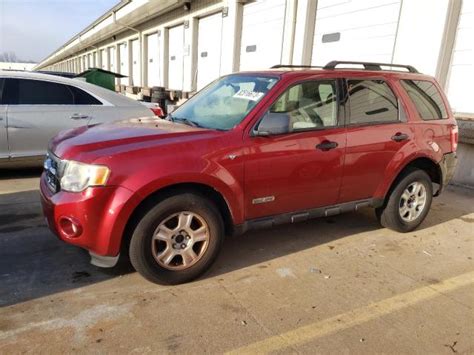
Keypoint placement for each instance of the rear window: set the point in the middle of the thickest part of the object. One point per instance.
(427, 99)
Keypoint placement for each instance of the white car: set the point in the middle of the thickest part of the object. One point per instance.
(34, 107)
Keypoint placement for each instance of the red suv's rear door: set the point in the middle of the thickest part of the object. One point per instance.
(376, 131)
(302, 168)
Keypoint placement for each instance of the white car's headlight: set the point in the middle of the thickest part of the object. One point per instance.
(78, 176)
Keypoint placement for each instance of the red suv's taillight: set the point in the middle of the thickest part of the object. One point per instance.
(454, 137)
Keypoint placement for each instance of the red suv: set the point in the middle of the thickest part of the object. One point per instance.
(251, 150)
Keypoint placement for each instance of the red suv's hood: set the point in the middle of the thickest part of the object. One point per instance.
(68, 144)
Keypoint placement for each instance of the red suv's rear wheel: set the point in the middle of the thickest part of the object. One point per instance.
(408, 203)
(177, 240)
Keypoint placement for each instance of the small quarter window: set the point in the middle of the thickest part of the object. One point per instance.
(371, 101)
(427, 99)
(83, 98)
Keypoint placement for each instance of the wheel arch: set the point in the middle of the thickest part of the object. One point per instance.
(201, 189)
(424, 163)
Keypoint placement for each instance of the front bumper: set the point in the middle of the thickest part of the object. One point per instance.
(447, 166)
(101, 213)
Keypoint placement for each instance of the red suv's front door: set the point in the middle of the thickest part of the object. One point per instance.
(376, 131)
(301, 168)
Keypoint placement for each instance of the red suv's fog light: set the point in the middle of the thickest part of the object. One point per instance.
(71, 227)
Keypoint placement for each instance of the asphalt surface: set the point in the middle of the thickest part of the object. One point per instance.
(333, 285)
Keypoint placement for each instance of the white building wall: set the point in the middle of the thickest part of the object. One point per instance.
(263, 24)
(461, 73)
(419, 38)
(209, 48)
(359, 30)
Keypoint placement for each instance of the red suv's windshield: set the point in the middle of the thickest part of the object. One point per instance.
(224, 103)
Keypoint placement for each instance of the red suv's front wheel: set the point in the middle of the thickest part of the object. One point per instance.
(177, 240)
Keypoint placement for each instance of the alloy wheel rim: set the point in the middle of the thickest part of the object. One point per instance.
(412, 202)
(180, 240)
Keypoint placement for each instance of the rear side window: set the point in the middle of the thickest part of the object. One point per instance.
(83, 98)
(427, 99)
(371, 101)
(36, 92)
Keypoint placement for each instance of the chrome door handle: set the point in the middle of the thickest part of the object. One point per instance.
(78, 116)
(398, 137)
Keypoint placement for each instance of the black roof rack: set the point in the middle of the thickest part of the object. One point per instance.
(369, 65)
(294, 66)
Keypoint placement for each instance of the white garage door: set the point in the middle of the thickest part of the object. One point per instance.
(175, 60)
(104, 59)
(358, 30)
(123, 68)
(113, 59)
(136, 74)
(462, 63)
(262, 34)
(209, 49)
(154, 60)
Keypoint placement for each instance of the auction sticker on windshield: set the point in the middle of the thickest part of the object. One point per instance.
(248, 95)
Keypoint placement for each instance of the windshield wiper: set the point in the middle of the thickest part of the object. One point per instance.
(187, 121)
(170, 117)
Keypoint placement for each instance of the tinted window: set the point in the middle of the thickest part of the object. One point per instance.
(36, 92)
(371, 101)
(312, 104)
(83, 98)
(1, 90)
(427, 99)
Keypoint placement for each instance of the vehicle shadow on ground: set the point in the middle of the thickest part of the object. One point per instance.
(34, 263)
(8, 174)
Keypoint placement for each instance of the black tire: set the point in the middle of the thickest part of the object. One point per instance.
(141, 254)
(389, 214)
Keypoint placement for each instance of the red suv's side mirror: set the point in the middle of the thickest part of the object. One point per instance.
(273, 123)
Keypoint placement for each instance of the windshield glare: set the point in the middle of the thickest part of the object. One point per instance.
(225, 103)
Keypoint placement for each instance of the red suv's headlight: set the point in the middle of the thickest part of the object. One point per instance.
(78, 176)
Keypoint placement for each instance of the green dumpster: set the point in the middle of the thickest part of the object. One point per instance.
(100, 77)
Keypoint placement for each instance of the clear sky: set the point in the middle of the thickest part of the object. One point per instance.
(32, 29)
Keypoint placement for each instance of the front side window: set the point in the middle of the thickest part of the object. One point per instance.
(226, 102)
(36, 92)
(309, 105)
(371, 101)
(427, 99)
